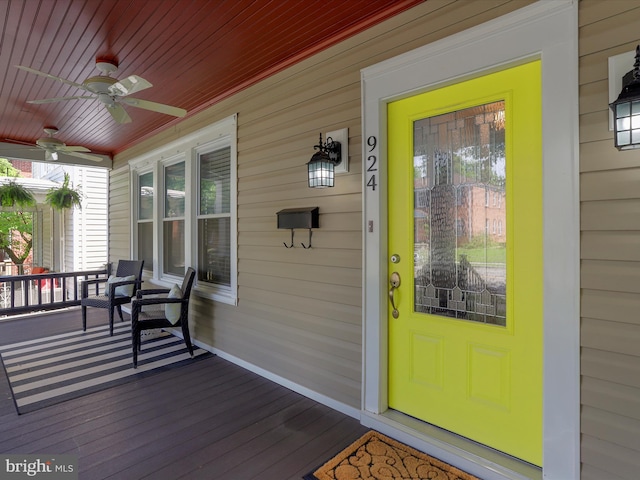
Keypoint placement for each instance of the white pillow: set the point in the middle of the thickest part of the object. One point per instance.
(172, 310)
(122, 290)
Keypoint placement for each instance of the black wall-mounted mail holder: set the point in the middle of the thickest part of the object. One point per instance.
(292, 218)
(306, 217)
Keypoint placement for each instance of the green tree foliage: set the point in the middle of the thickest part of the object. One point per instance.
(16, 238)
(7, 170)
(16, 227)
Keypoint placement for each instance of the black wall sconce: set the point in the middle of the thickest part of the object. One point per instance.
(626, 109)
(325, 163)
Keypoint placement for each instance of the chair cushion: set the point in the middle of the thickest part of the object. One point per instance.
(151, 308)
(172, 310)
(123, 290)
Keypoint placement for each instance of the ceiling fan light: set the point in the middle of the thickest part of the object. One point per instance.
(99, 84)
(107, 99)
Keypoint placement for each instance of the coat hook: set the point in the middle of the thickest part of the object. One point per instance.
(285, 243)
(303, 245)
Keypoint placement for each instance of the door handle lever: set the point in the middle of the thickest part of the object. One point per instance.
(395, 283)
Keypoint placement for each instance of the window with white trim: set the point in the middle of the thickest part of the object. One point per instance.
(193, 221)
(145, 204)
(173, 220)
(214, 217)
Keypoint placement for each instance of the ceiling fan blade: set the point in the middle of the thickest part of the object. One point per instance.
(53, 77)
(86, 156)
(154, 107)
(118, 113)
(18, 142)
(58, 99)
(12, 152)
(50, 156)
(70, 148)
(129, 85)
(8, 150)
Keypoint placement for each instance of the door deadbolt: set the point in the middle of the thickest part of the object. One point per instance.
(395, 258)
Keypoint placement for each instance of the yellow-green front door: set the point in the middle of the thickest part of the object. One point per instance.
(465, 259)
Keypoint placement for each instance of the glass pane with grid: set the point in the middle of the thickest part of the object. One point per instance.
(214, 254)
(173, 262)
(459, 211)
(214, 217)
(215, 174)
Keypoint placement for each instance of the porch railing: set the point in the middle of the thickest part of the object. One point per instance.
(44, 291)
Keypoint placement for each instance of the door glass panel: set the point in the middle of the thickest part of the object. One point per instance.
(460, 233)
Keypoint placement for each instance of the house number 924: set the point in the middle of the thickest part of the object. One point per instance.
(372, 161)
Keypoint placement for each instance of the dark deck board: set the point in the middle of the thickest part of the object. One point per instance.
(210, 420)
(314, 452)
(205, 435)
(266, 447)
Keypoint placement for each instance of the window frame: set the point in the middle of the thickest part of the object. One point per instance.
(137, 221)
(163, 218)
(213, 290)
(188, 148)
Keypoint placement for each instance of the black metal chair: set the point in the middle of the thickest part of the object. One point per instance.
(116, 293)
(174, 314)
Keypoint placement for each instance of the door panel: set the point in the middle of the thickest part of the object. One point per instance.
(465, 225)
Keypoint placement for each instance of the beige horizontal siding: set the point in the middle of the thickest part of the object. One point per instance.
(620, 337)
(611, 367)
(610, 215)
(610, 184)
(610, 396)
(610, 457)
(613, 306)
(614, 276)
(610, 273)
(611, 245)
(597, 155)
(611, 427)
(119, 215)
(594, 11)
(299, 312)
(590, 472)
(611, 23)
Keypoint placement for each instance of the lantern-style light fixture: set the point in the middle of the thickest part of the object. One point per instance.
(626, 109)
(323, 163)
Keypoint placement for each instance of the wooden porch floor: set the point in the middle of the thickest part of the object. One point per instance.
(211, 420)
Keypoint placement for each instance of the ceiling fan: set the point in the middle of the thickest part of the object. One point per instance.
(111, 92)
(52, 147)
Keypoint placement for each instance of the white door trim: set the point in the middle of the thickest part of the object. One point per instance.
(547, 30)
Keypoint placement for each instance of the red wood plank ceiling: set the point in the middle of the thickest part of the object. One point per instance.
(194, 52)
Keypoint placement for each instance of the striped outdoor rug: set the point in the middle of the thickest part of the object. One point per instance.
(54, 369)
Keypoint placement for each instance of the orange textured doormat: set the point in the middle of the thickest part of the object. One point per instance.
(377, 457)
